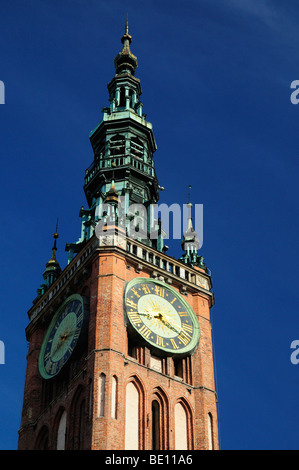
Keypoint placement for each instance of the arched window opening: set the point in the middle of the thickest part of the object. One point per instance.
(155, 425)
(160, 420)
(61, 432)
(101, 395)
(77, 417)
(132, 417)
(81, 425)
(42, 442)
(114, 398)
(131, 93)
(210, 431)
(181, 427)
(122, 97)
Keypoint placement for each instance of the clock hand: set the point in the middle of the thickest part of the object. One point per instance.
(159, 316)
(58, 346)
(61, 341)
(169, 325)
(148, 315)
(151, 316)
(67, 333)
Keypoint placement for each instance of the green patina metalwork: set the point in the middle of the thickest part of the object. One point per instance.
(123, 144)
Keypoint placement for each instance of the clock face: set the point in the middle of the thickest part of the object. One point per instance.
(62, 336)
(161, 316)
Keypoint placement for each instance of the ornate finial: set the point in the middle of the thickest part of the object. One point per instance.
(189, 193)
(127, 26)
(56, 229)
(55, 235)
(54, 249)
(126, 37)
(189, 205)
(125, 61)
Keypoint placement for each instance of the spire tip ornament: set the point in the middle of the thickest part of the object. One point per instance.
(52, 270)
(127, 26)
(125, 61)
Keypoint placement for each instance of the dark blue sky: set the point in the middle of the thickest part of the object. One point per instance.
(216, 78)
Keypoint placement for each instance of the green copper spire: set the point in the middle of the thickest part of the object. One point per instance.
(125, 61)
(52, 270)
(190, 242)
(123, 169)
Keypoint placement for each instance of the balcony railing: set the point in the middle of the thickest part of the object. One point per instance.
(119, 161)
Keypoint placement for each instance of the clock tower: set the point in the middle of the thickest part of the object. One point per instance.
(120, 350)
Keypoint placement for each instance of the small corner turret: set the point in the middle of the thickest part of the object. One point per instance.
(190, 242)
(52, 270)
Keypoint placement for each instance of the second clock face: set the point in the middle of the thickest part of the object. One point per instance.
(161, 316)
(61, 337)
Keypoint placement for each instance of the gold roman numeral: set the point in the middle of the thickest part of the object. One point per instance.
(80, 317)
(132, 304)
(76, 335)
(145, 331)
(187, 328)
(182, 337)
(134, 317)
(145, 288)
(175, 346)
(159, 291)
(183, 314)
(160, 342)
(135, 292)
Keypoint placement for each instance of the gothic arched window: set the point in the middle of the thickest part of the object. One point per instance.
(210, 431)
(134, 423)
(101, 395)
(114, 398)
(183, 426)
(77, 417)
(42, 441)
(156, 412)
(61, 432)
(160, 420)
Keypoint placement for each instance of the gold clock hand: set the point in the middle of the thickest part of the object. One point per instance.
(61, 340)
(67, 333)
(167, 323)
(148, 315)
(58, 346)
